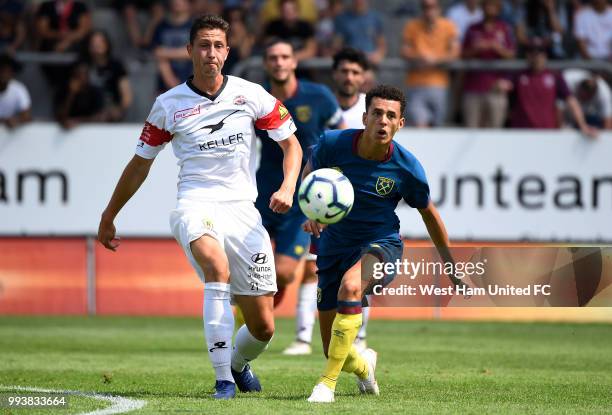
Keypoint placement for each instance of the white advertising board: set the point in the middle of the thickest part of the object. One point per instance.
(488, 184)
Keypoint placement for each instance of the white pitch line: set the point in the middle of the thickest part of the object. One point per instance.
(119, 404)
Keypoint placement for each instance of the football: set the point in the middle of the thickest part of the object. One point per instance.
(326, 196)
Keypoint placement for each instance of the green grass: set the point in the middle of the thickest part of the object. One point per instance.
(424, 367)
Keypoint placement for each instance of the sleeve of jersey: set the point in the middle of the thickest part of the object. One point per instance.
(277, 122)
(333, 110)
(154, 136)
(318, 157)
(415, 190)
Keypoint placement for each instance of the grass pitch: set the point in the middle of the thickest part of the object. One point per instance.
(423, 367)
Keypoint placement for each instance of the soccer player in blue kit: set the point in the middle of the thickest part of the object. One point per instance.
(314, 109)
(382, 173)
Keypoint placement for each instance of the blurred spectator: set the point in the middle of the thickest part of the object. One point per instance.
(79, 101)
(271, 10)
(512, 12)
(535, 92)
(240, 40)
(593, 95)
(299, 33)
(593, 30)
(12, 26)
(62, 24)
(324, 30)
(108, 74)
(362, 28)
(429, 42)
(541, 20)
(15, 102)
(169, 45)
(483, 104)
(349, 68)
(464, 14)
(200, 7)
(130, 10)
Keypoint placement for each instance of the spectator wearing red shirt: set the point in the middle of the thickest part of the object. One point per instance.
(483, 104)
(535, 92)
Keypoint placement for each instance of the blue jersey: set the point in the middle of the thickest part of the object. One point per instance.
(314, 109)
(379, 186)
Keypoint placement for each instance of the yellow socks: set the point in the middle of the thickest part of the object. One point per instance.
(344, 330)
(356, 364)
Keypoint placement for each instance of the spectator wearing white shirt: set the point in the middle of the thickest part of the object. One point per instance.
(464, 14)
(593, 30)
(593, 95)
(15, 102)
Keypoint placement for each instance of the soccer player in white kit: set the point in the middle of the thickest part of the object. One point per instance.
(210, 122)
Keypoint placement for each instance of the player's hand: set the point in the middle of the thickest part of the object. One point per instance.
(589, 131)
(313, 227)
(106, 234)
(281, 201)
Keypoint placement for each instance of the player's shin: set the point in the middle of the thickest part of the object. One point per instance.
(218, 328)
(246, 348)
(305, 313)
(343, 333)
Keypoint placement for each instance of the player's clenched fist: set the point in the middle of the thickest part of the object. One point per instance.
(281, 201)
(106, 235)
(313, 227)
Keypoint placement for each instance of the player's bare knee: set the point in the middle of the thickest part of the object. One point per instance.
(262, 330)
(349, 290)
(285, 276)
(211, 259)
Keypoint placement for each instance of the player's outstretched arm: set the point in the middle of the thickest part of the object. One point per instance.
(282, 199)
(306, 170)
(132, 177)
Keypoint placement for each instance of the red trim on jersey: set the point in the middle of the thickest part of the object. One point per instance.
(275, 118)
(154, 136)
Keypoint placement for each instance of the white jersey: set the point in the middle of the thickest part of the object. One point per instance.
(14, 99)
(213, 137)
(353, 116)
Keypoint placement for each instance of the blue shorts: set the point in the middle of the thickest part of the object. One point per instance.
(331, 268)
(286, 230)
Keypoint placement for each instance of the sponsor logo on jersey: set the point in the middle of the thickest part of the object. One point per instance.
(283, 111)
(259, 258)
(240, 100)
(223, 142)
(384, 185)
(186, 113)
(216, 127)
(303, 113)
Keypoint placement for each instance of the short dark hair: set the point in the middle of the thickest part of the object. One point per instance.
(352, 55)
(7, 60)
(207, 21)
(387, 92)
(274, 41)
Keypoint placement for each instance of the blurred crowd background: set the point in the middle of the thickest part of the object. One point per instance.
(474, 63)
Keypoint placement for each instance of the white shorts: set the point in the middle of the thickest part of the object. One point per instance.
(238, 229)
